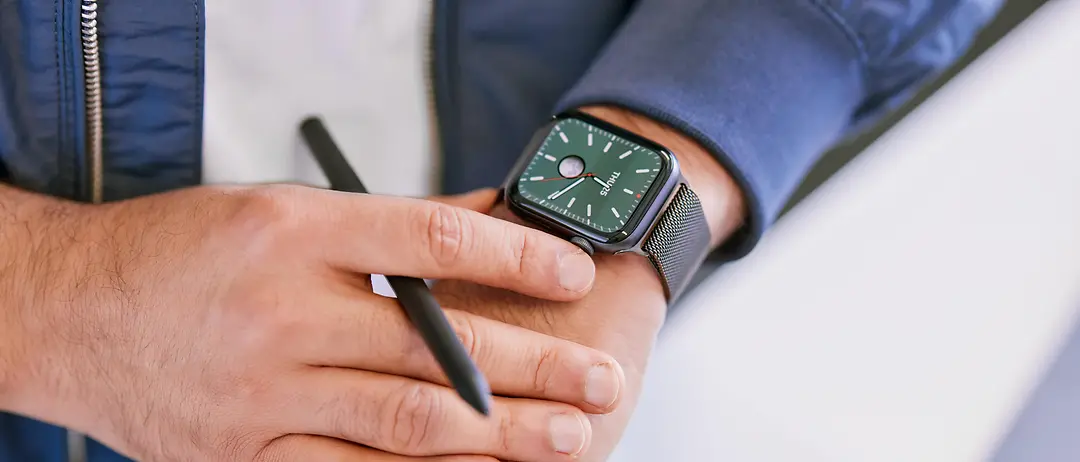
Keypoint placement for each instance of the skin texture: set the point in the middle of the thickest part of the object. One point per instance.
(194, 326)
(624, 312)
(121, 335)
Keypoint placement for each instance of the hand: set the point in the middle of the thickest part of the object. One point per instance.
(239, 324)
(626, 308)
(621, 316)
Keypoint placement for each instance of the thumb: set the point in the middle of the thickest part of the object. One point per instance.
(480, 200)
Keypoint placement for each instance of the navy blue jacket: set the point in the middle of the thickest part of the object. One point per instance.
(765, 85)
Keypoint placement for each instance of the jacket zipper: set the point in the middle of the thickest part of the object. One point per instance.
(88, 33)
(434, 135)
(94, 149)
(441, 60)
(92, 83)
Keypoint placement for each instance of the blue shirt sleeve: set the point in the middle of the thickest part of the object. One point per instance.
(767, 86)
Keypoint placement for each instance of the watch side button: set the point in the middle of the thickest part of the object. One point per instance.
(583, 244)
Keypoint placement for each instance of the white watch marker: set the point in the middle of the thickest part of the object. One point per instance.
(628, 192)
(550, 157)
(608, 147)
(626, 154)
(590, 139)
(588, 210)
(600, 181)
(571, 204)
(564, 138)
(536, 178)
(616, 212)
(644, 170)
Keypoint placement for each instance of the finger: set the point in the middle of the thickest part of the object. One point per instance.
(426, 239)
(516, 361)
(413, 418)
(480, 200)
(305, 448)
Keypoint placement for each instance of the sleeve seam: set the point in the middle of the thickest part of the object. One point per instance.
(846, 28)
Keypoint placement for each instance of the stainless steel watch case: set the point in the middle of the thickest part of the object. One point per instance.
(645, 218)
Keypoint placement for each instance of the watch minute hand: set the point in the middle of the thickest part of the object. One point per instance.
(560, 193)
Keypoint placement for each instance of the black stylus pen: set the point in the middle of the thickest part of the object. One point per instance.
(412, 293)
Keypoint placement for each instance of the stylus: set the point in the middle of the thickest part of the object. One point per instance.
(413, 294)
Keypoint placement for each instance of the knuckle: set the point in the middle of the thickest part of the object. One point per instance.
(544, 374)
(265, 221)
(446, 233)
(466, 331)
(505, 430)
(410, 421)
(269, 208)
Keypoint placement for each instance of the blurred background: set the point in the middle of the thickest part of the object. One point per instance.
(1012, 14)
(917, 300)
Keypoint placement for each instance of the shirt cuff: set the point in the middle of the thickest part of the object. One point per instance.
(766, 86)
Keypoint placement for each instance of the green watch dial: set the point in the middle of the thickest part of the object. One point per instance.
(590, 176)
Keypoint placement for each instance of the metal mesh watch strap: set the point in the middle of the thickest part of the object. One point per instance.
(679, 242)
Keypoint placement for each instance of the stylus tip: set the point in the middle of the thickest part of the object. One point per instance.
(478, 395)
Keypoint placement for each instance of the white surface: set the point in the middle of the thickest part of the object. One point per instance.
(906, 310)
(358, 63)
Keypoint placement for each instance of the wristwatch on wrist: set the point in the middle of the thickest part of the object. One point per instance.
(611, 191)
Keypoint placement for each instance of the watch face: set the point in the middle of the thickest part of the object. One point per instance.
(585, 175)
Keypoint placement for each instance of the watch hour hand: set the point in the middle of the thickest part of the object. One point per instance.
(564, 190)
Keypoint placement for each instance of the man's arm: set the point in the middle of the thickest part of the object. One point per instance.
(8, 249)
(18, 209)
(96, 301)
(627, 307)
(721, 198)
(766, 86)
(747, 94)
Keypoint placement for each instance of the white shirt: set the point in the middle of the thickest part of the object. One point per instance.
(357, 63)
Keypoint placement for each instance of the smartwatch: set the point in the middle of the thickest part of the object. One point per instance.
(611, 191)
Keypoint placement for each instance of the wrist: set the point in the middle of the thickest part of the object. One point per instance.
(629, 272)
(721, 198)
(17, 239)
(30, 230)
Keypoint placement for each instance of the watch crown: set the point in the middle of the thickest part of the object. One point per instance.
(583, 244)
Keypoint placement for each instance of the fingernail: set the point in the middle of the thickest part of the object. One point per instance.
(567, 434)
(602, 386)
(576, 271)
